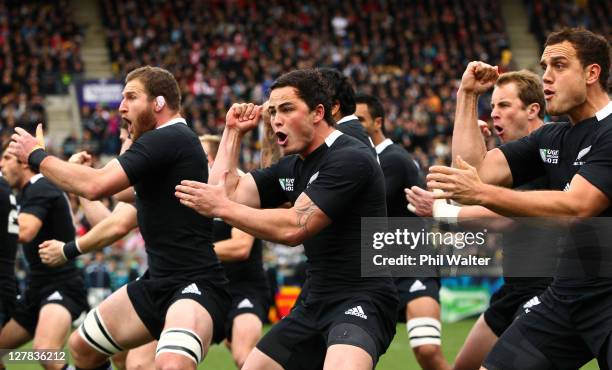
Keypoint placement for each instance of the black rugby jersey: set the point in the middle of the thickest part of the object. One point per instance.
(9, 233)
(44, 200)
(249, 271)
(346, 183)
(560, 151)
(178, 240)
(351, 125)
(401, 171)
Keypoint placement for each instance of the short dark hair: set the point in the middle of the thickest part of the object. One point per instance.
(375, 107)
(341, 88)
(591, 48)
(310, 87)
(158, 82)
(529, 87)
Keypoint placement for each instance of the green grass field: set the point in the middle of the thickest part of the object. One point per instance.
(398, 356)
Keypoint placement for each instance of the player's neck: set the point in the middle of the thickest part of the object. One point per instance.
(27, 176)
(321, 133)
(534, 125)
(166, 117)
(378, 138)
(595, 101)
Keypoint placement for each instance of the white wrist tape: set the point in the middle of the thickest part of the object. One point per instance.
(443, 211)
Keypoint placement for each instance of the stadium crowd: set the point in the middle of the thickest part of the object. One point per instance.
(410, 54)
(39, 55)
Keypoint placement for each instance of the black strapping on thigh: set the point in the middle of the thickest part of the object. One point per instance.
(351, 334)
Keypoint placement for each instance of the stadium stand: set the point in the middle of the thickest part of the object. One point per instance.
(39, 55)
(410, 54)
(547, 15)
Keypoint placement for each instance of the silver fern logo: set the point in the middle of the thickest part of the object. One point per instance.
(581, 154)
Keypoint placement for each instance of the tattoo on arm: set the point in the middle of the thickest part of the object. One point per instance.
(304, 213)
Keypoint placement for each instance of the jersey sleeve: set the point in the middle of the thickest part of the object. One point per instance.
(523, 156)
(152, 151)
(271, 194)
(38, 200)
(598, 166)
(339, 182)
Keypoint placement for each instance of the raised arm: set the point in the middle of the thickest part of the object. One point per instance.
(467, 135)
(240, 119)
(72, 178)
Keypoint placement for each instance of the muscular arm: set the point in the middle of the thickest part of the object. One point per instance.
(29, 226)
(236, 248)
(95, 211)
(120, 222)
(241, 189)
(114, 227)
(85, 181)
(286, 226)
(477, 216)
(467, 140)
(581, 200)
(126, 196)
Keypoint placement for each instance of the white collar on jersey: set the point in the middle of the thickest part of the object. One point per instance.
(382, 146)
(331, 138)
(604, 112)
(172, 122)
(346, 119)
(35, 178)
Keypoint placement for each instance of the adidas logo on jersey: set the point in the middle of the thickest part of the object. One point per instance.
(530, 303)
(357, 311)
(245, 303)
(193, 289)
(56, 296)
(416, 286)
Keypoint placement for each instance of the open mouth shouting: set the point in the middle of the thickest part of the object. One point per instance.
(281, 138)
(548, 94)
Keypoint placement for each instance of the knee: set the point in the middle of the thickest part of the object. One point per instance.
(240, 352)
(172, 361)
(81, 352)
(139, 363)
(240, 358)
(77, 346)
(427, 353)
(44, 344)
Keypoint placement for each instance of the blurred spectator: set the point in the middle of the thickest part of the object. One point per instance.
(546, 16)
(97, 280)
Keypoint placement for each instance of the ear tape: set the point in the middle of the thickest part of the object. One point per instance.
(160, 101)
